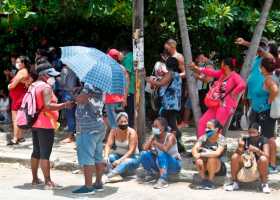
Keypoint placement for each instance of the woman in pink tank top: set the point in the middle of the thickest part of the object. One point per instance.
(17, 89)
(44, 127)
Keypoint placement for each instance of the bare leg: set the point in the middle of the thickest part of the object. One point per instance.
(273, 150)
(187, 115)
(88, 172)
(17, 132)
(45, 166)
(34, 169)
(99, 172)
(213, 166)
(201, 168)
(262, 166)
(235, 165)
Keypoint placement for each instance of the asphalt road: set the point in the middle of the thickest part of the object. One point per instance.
(15, 185)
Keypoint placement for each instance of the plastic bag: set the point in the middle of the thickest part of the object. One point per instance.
(244, 121)
(275, 108)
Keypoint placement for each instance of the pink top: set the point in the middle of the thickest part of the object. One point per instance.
(46, 118)
(235, 85)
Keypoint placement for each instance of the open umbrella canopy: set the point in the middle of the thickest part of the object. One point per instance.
(95, 67)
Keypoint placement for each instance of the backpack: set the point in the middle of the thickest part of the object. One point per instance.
(28, 111)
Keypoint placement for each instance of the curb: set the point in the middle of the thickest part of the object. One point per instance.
(55, 164)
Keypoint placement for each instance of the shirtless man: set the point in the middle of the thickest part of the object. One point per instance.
(171, 47)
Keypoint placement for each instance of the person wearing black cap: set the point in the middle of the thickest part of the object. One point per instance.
(46, 122)
(257, 144)
(207, 153)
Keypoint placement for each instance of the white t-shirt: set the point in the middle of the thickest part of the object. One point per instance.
(4, 104)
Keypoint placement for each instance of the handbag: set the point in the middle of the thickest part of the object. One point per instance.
(249, 172)
(214, 98)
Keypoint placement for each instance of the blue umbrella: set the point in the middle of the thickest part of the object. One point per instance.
(95, 67)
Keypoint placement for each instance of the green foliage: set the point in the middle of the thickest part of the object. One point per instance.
(213, 24)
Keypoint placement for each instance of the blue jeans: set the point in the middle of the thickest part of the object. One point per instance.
(129, 165)
(70, 113)
(163, 161)
(112, 114)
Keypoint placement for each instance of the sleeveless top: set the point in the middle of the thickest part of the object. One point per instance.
(171, 94)
(173, 151)
(17, 95)
(47, 119)
(122, 147)
(256, 92)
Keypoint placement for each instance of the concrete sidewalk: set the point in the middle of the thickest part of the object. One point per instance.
(64, 156)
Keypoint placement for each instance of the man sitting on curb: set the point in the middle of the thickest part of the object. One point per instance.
(257, 144)
(207, 153)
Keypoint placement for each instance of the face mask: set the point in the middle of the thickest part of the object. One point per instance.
(123, 126)
(18, 65)
(51, 81)
(223, 69)
(156, 131)
(209, 133)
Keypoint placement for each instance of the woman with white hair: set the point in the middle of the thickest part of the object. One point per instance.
(121, 150)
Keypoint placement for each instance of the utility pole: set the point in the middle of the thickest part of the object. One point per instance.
(138, 60)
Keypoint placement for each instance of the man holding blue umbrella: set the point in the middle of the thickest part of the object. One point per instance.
(90, 131)
(100, 74)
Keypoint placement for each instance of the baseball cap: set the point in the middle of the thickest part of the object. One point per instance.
(114, 53)
(263, 46)
(46, 68)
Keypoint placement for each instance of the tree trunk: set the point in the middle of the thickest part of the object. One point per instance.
(251, 54)
(138, 59)
(191, 81)
(256, 39)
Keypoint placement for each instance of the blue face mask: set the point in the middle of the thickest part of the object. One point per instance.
(209, 133)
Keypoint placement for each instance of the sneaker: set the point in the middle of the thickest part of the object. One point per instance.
(98, 187)
(206, 185)
(272, 170)
(149, 179)
(232, 186)
(84, 190)
(112, 179)
(161, 183)
(265, 188)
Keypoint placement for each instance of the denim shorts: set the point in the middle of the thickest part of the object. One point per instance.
(90, 148)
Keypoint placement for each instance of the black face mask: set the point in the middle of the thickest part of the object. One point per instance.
(123, 126)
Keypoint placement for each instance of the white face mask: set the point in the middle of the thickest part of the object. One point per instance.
(18, 65)
(51, 81)
(156, 131)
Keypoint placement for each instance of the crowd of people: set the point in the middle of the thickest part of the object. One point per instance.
(102, 124)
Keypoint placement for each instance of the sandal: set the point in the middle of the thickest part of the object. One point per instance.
(12, 143)
(51, 186)
(21, 140)
(37, 182)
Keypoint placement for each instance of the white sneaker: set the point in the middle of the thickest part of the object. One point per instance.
(265, 188)
(232, 187)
